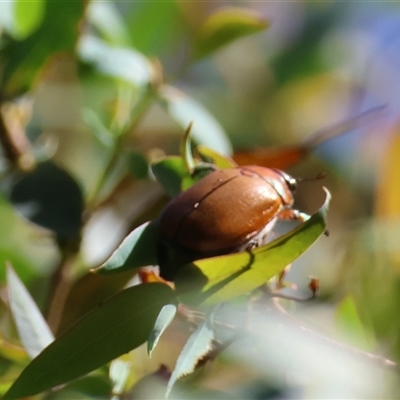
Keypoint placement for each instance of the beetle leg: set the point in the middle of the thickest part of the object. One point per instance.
(290, 214)
(253, 244)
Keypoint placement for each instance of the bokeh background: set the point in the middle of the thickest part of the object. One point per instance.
(84, 103)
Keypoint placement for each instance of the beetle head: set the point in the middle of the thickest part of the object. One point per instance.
(290, 181)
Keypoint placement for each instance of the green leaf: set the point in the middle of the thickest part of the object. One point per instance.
(137, 164)
(50, 197)
(21, 60)
(164, 319)
(32, 328)
(184, 110)
(28, 16)
(157, 28)
(119, 374)
(226, 277)
(95, 124)
(106, 18)
(20, 17)
(186, 150)
(120, 63)
(198, 345)
(349, 321)
(225, 26)
(92, 386)
(115, 327)
(24, 245)
(170, 172)
(213, 157)
(137, 250)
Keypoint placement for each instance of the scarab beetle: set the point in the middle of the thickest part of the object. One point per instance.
(227, 211)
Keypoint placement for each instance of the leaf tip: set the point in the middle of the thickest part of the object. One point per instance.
(325, 206)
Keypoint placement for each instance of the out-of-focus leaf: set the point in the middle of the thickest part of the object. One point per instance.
(115, 327)
(138, 249)
(32, 328)
(184, 110)
(52, 198)
(198, 346)
(86, 388)
(302, 58)
(119, 374)
(164, 319)
(212, 156)
(288, 156)
(148, 19)
(349, 321)
(226, 277)
(137, 164)
(226, 25)
(21, 60)
(12, 352)
(7, 18)
(106, 18)
(28, 16)
(100, 131)
(120, 63)
(24, 245)
(20, 18)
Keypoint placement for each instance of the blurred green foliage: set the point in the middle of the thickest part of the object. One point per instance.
(93, 93)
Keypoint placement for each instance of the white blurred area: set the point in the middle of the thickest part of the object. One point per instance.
(272, 355)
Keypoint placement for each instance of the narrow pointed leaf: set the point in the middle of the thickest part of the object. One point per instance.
(198, 346)
(226, 277)
(174, 177)
(97, 127)
(186, 150)
(115, 327)
(119, 374)
(137, 250)
(120, 63)
(215, 157)
(164, 319)
(184, 110)
(225, 26)
(32, 328)
(110, 23)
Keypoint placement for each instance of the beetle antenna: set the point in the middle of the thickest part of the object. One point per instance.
(320, 175)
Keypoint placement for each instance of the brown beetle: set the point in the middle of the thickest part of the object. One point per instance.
(227, 211)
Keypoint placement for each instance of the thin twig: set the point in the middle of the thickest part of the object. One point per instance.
(344, 347)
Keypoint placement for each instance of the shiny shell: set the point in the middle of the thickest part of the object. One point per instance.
(226, 209)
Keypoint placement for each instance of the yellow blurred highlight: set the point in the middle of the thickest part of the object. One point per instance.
(387, 199)
(388, 188)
